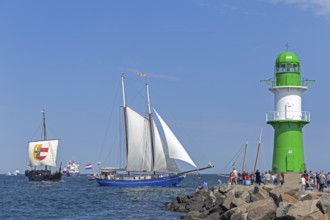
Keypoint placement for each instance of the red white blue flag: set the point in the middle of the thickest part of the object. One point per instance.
(88, 166)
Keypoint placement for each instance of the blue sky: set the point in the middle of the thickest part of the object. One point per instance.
(204, 60)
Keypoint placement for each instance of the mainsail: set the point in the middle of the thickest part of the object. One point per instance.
(139, 156)
(43, 153)
(175, 148)
(139, 142)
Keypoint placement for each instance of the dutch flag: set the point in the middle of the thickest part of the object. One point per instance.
(88, 166)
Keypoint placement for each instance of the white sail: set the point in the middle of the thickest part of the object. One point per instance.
(175, 148)
(163, 163)
(43, 153)
(139, 142)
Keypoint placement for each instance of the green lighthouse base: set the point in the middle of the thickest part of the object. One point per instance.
(288, 155)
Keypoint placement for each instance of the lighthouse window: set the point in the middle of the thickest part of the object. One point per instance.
(277, 68)
(289, 68)
(295, 68)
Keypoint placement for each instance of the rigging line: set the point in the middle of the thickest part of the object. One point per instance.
(109, 121)
(113, 144)
(108, 157)
(235, 156)
(51, 131)
(36, 131)
(139, 91)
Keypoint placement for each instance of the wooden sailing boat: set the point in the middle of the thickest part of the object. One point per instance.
(43, 153)
(150, 157)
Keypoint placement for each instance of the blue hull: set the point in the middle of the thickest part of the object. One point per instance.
(168, 181)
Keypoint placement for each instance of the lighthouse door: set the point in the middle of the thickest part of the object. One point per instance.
(289, 111)
(289, 162)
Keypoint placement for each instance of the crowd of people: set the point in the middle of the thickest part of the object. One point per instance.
(318, 180)
(308, 181)
(257, 177)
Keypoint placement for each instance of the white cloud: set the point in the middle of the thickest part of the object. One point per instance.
(320, 7)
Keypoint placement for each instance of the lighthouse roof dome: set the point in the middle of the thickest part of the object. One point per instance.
(287, 57)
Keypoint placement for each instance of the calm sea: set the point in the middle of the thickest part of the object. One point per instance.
(80, 198)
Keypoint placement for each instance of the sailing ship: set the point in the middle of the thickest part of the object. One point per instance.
(43, 153)
(72, 169)
(150, 154)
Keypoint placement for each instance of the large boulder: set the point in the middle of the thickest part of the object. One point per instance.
(277, 192)
(196, 204)
(224, 188)
(301, 210)
(287, 198)
(176, 206)
(310, 195)
(269, 187)
(237, 213)
(237, 202)
(282, 211)
(194, 215)
(324, 205)
(213, 216)
(262, 209)
(227, 203)
(258, 193)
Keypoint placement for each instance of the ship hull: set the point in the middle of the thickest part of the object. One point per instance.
(36, 176)
(73, 174)
(168, 181)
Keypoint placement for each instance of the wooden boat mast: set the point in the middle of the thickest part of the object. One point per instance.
(150, 127)
(44, 127)
(246, 144)
(259, 143)
(125, 114)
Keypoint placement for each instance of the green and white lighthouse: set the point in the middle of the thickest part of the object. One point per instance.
(288, 119)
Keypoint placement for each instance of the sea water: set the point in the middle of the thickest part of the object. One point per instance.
(80, 198)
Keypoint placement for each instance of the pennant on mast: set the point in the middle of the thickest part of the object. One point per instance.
(141, 74)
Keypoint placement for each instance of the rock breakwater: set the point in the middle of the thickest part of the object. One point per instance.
(255, 202)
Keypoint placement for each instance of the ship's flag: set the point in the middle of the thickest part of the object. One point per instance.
(88, 166)
(141, 74)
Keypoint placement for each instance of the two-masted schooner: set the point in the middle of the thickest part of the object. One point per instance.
(42, 155)
(150, 157)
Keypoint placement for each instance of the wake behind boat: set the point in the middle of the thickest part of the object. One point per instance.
(43, 153)
(150, 154)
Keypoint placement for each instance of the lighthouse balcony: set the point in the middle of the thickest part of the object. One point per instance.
(288, 115)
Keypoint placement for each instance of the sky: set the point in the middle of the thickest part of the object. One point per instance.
(204, 60)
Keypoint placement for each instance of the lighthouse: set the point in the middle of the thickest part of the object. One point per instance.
(288, 119)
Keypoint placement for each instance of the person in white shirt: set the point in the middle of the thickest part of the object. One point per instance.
(303, 183)
(268, 178)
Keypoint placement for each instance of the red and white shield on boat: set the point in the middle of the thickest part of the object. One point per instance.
(40, 151)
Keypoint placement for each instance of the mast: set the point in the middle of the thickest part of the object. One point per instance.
(44, 127)
(150, 127)
(125, 114)
(255, 163)
(44, 124)
(246, 144)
